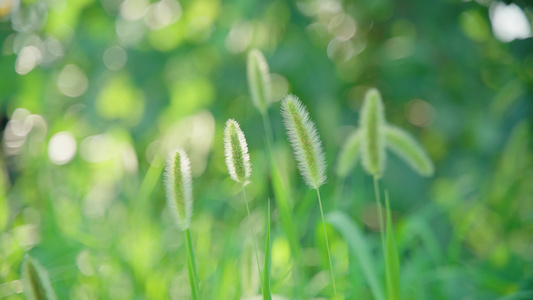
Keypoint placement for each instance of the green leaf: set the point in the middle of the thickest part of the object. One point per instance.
(358, 246)
(392, 261)
(37, 285)
(266, 269)
(407, 148)
(349, 154)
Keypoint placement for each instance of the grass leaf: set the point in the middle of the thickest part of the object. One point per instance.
(408, 149)
(358, 246)
(349, 154)
(266, 268)
(35, 280)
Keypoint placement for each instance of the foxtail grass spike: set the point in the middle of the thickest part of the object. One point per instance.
(178, 185)
(35, 281)
(349, 154)
(236, 152)
(305, 141)
(407, 148)
(259, 80)
(373, 135)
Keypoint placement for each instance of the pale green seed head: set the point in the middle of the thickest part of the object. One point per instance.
(305, 141)
(259, 80)
(407, 148)
(372, 123)
(236, 152)
(35, 280)
(349, 154)
(178, 186)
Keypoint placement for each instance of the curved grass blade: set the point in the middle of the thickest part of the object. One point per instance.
(349, 154)
(392, 261)
(35, 280)
(266, 268)
(408, 149)
(358, 246)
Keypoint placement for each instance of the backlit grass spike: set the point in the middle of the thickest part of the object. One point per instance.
(259, 80)
(35, 280)
(406, 147)
(236, 152)
(305, 141)
(372, 123)
(178, 185)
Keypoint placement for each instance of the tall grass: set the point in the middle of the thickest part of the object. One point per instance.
(239, 168)
(259, 83)
(308, 152)
(178, 185)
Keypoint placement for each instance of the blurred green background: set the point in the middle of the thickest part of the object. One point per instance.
(93, 93)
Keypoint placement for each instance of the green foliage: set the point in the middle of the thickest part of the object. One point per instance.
(37, 285)
(94, 95)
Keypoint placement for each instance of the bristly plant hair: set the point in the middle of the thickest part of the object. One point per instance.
(178, 186)
(35, 281)
(372, 123)
(236, 152)
(305, 141)
(406, 147)
(259, 81)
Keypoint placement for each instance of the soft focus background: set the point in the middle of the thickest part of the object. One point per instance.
(93, 92)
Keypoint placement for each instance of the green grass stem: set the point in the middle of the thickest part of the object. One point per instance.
(191, 266)
(327, 243)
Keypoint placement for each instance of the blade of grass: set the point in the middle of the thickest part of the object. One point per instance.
(392, 261)
(266, 268)
(359, 247)
(191, 267)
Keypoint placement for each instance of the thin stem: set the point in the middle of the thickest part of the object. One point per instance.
(268, 130)
(327, 243)
(380, 213)
(191, 266)
(253, 237)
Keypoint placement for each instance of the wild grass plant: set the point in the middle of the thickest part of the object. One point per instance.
(239, 168)
(178, 186)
